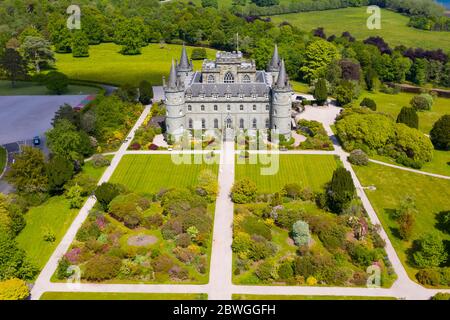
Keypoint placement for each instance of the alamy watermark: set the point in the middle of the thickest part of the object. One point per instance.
(74, 19)
(374, 20)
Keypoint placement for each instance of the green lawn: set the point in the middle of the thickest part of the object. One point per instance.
(392, 104)
(300, 297)
(307, 170)
(2, 159)
(394, 28)
(120, 296)
(105, 64)
(392, 186)
(150, 173)
(53, 216)
(34, 89)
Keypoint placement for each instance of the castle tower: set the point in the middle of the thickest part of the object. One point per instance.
(274, 65)
(185, 66)
(282, 103)
(175, 104)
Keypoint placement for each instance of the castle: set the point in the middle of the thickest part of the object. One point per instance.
(228, 93)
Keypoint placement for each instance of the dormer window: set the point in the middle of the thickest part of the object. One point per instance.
(228, 95)
(254, 95)
(211, 79)
(246, 78)
(229, 78)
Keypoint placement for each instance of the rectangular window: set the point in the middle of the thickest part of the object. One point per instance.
(254, 108)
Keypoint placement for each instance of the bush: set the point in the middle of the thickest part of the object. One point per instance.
(62, 269)
(153, 221)
(13, 262)
(265, 271)
(183, 240)
(286, 270)
(98, 161)
(292, 190)
(429, 277)
(106, 192)
(253, 225)
(358, 157)
(241, 242)
(440, 133)
(162, 263)
(422, 102)
(409, 117)
(171, 229)
(368, 103)
(341, 190)
(57, 82)
(320, 91)
(243, 191)
(102, 267)
(178, 273)
(441, 296)
(430, 251)
(286, 218)
(14, 289)
(361, 255)
(300, 233)
(198, 54)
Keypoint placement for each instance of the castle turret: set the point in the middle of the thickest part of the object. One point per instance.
(175, 104)
(274, 65)
(281, 101)
(185, 66)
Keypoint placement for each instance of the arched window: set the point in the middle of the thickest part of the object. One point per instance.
(241, 123)
(191, 125)
(202, 107)
(254, 107)
(203, 124)
(241, 107)
(216, 124)
(211, 79)
(267, 123)
(229, 78)
(246, 78)
(215, 107)
(267, 107)
(254, 123)
(189, 108)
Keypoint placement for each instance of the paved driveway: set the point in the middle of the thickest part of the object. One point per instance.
(23, 117)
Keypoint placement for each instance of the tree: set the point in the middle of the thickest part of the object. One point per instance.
(130, 34)
(243, 191)
(344, 93)
(64, 140)
(28, 172)
(74, 196)
(300, 233)
(14, 65)
(14, 289)
(422, 102)
(430, 251)
(369, 103)
(210, 3)
(59, 33)
(413, 143)
(56, 82)
(13, 260)
(320, 91)
(59, 171)
(66, 111)
(358, 157)
(37, 51)
(417, 72)
(207, 184)
(145, 92)
(198, 54)
(440, 133)
(341, 190)
(80, 44)
(409, 117)
(106, 192)
(406, 218)
(370, 77)
(318, 55)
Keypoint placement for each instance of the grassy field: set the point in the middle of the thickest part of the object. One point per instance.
(307, 170)
(105, 64)
(431, 196)
(2, 159)
(150, 173)
(392, 104)
(120, 296)
(394, 28)
(33, 89)
(53, 216)
(299, 297)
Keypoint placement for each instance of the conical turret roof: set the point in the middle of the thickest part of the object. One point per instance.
(282, 81)
(274, 64)
(173, 83)
(184, 60)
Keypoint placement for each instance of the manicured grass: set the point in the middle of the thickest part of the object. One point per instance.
(52, 216)
(299, 297)
(306, 170)
(392, 104)
(299, 86)
(34, 89)
(431, 196)
(2, 159)
(394, 28)
(120, 296)
(105, 64)
(150, 173)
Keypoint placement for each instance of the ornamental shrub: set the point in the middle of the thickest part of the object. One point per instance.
(253, 225)
(265, 271)
(292, 190)
(99, 160)
(429, 277)
(429, 251)
(56, 82)
(440, 133)
(162, 263)
(341, 190)
(243, 191)
(14, 289)
(422, 102)
(286, 270)
(102, 267)
(183, 240)
(300, 233)
(409, 117)
(358, 157)
(369, 103)
(145, 92)
(106, 192)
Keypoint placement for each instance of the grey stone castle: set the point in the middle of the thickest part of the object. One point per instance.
(228, 93)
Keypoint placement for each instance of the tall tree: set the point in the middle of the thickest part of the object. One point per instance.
(341, 190)
(131, 34)
(37, 52)
(440, 133)
(59, 34)
(64, 140)
(320, 91)
(80, 44)
(59, 171)
(27, 173)
(14, 65)
(318, 55)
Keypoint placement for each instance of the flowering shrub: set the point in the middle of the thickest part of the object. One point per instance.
(73, 255)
